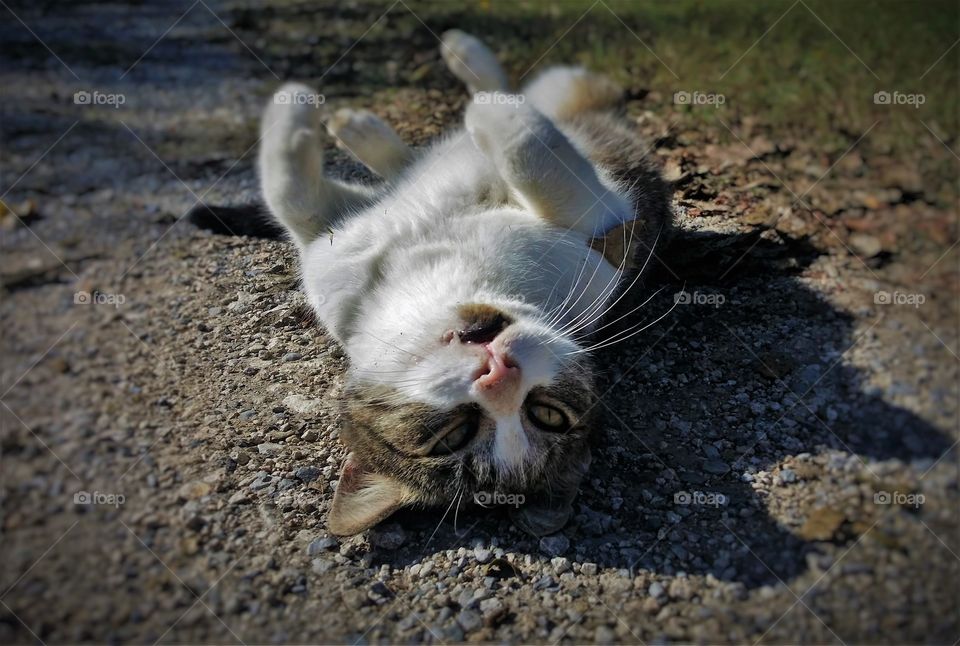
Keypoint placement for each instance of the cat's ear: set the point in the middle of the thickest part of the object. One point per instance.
(546, 513)
(363, 498)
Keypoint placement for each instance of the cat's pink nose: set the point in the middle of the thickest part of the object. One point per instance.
(500, 376)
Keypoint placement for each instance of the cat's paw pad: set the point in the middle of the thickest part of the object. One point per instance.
(471, 61)
(361, 132)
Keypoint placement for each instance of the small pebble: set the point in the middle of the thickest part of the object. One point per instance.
(560, 564)
(321, 545)
(307, 474)
(469, 620)
(262, 481)
(269, 449)
(716, 467)
(554, 545)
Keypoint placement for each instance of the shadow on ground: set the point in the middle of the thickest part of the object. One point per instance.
(755, 390)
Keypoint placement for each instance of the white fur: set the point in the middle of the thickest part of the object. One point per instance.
(370, 140)
(501, 213)
(472, 62)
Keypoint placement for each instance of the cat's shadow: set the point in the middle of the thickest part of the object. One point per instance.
(749, 375)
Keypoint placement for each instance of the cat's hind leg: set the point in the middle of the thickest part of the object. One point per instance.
(370, 141)
(563, 92)
(472, 62)
(291, 168)
(548, 174)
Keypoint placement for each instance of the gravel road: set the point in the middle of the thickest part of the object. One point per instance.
(778, 457)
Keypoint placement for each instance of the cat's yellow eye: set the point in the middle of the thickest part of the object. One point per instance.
(459, 435)
(548, 418)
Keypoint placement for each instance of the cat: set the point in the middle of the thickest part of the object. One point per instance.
(467, 287)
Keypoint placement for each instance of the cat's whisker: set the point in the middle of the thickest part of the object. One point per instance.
(456, 511)
(617, 275)
(563, 308)
(442, 518)
(577, 322)
(628, 288)
(611, 341)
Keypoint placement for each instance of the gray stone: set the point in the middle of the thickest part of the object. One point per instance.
(483, 555)
(492, 609)
(262, 481)
(307, 474)
(560, 564)
(554, 545)
(469, 620)
(303, 405)
(787, 476)
(716, 467)
(321, 565)
(321, 544)
(269, 449)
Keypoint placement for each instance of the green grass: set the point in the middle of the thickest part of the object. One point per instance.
(806, 69)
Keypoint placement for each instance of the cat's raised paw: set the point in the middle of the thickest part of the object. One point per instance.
(472, 62)
(369, 139)
(293, 107)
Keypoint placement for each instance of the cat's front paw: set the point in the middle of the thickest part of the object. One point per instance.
(291, 151)
(472, 62)
(499, 122)
(361, 132)
(293, 107)
(369, 139)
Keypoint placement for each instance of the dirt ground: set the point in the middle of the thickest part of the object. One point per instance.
(778, 461)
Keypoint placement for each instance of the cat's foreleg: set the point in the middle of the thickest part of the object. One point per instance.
(291, 167)
(472, 62)
(370, 141)
(540, 165)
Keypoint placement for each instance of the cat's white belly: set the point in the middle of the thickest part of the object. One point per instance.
(504, 255)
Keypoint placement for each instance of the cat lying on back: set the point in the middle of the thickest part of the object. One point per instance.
(466, 287)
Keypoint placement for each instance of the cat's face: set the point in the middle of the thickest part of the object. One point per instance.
(448, 401)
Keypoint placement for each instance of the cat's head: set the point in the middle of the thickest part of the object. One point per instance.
(448, 401)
